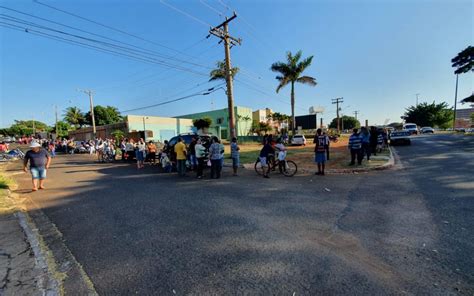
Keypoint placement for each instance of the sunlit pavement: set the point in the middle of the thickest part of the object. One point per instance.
(407, 230)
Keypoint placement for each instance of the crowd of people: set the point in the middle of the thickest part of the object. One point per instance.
(365, 143)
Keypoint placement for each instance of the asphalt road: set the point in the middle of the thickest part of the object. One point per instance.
(402, 231)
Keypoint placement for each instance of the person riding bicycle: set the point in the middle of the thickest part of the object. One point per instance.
(266, 153)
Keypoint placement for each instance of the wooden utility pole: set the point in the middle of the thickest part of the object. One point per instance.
(337, 101)
(455, 102)
(56, 119)
(222, 32)
(355, 113)
(89, 93)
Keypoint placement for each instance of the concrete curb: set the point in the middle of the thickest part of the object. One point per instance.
(60, 274)
(390, 163)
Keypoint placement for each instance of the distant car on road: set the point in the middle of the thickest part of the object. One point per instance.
(411, 127)
(298, 140)
(427, 130)
(8, 140)
(400, 137)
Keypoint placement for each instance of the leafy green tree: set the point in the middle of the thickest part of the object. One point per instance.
(349, 122)
(469, 99)
(74, 116)
(291, 72)
(277, 116)
(118, 135)
(433, 114)
(219, 72)
(202, 123)
(261, 127)
(464, 61)
(104, 115)
(63, 129)
(25, 127)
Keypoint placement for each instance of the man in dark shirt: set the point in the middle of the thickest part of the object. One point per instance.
(39, 160)
(266, 151)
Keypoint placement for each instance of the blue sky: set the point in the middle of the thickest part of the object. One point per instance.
(375, 54)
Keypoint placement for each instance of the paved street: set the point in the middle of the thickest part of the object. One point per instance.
(402, 231)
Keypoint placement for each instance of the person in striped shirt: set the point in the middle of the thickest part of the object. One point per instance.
(355, 146)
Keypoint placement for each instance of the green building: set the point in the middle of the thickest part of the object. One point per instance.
(220, 121)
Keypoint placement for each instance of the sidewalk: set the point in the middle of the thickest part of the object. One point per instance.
(18, 272)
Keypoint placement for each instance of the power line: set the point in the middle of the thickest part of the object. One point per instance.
(186, 14)
(108, 27)
(139, 49)
(200, 93)
(211, 8)
(129, 52)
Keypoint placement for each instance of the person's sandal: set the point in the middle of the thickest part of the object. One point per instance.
(34, 189)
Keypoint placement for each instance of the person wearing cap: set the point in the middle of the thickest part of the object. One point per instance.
(39, 160)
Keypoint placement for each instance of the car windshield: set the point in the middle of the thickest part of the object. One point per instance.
(297, 136)
(410, 126)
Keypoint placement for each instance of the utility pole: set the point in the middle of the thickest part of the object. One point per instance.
(355, 113)
(417, 95)
(222, 32)
(337, 101)
(89, 93)
(34, 128)
(455, 102)
(56, 121)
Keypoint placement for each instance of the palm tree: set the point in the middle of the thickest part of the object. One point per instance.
(219, 72)
(74, 116)
(291, 71)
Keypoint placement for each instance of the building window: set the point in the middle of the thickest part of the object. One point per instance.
(220, 120)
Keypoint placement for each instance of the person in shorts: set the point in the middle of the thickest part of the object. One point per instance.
(39, 161)
(322, 144)
(266, 151)
(235, 154)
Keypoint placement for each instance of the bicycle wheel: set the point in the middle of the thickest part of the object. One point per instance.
(290, 168)
(258, 167)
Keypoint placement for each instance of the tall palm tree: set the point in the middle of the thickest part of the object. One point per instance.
(219, 72)
(74, 116)
(291, 71)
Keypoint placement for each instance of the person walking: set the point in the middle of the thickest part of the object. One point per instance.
(215, 154)
(365, 135)
(235, 155)
(39, 161)
(200, 157)
(355, 146)
(322, 144)
(180, 150)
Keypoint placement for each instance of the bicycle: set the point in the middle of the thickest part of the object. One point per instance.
(286, 167)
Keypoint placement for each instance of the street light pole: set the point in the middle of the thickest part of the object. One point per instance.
(455, 102)
(89, 93)
(144, 128)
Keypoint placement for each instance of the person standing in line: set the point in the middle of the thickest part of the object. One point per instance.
(123, 148)
(140, 153)
(355, 146)
(192, 154)
(365, 135)
(281, 149)
(222, 149)
(40, 161)
(320, 151)
(151, 155)
(373, 140)
(235, 154)
(215, 154)
(130, 149)
(200, 157)
(180, 150)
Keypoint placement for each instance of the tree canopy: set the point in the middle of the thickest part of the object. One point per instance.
(219, 72)
(469, 99)
(290, 72)
(201, 123)
(277, 116)
(63, 129)
(75, 117)
(435, 115)
(464, 61)
(348, 122)
(104, 115)
(25, 127)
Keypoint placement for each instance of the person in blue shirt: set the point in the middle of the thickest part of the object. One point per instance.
(365, 134)
(355, 146)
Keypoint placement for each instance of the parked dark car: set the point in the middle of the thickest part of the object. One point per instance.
(187, 138)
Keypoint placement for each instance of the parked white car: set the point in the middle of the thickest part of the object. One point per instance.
(298, 140)
(411, 127)
(427, 130)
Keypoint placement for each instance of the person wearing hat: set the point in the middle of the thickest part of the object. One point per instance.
(39, 160)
